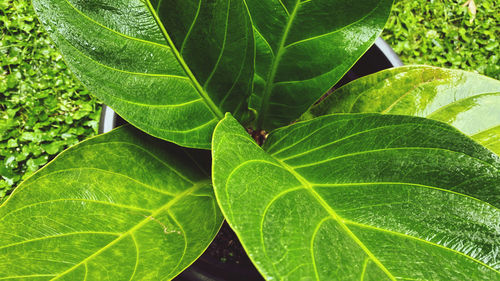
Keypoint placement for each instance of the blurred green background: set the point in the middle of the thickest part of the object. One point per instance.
(44, 109)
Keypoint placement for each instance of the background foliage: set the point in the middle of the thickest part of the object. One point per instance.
(445, 33)
(43, 109)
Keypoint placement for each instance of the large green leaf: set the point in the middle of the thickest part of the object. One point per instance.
(468, 101)
(304, 48)
(171, 68)
(120, 206)
(361, 197)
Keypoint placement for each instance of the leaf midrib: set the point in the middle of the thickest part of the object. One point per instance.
(408, 92)
(343, 223)
(194, 188)
(279, 54)
(307, 185)
(208, 101)
(292, 189)
(458, 101)
(274, 68)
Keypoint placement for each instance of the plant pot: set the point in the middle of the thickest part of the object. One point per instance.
(225, 259)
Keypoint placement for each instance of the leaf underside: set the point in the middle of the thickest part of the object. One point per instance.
(120, 206)
(156, 63)
(470, 102)
(361, 197)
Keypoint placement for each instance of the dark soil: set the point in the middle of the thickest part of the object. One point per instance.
(224, 260)
(226, 249)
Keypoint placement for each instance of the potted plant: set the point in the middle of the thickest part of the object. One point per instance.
(225, 258)
(370, 183)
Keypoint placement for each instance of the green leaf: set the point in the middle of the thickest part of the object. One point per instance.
(467, 101)
(304, 48)
(120, 206)
(156, 62)
(361, 197)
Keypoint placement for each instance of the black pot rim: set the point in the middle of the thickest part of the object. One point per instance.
(388, 52)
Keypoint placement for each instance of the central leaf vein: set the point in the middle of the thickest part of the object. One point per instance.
(274, 68)
(209, 102)
(308, 186)
(134, 228)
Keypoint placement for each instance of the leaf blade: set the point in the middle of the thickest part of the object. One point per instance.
(462, 99)
(346, 220)
(122, 52)
(108, 221)
(292, 77)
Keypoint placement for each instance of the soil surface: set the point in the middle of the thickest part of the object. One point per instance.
(226, 249)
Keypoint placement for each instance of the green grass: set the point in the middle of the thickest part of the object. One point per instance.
(44, 109)
(439, 33)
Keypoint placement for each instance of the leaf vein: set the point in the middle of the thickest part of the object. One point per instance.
(86, 272)
(185, 242)
(178, 173)
(389, 149)
(57, 236)
(133, 229)
(121, 70)
(193, 23)
(284, 8)
(136, 265)
(209, 102)
(445, 107)
(274, 68)
(223, 48)
(305, 137)
(114, 31)
(77, 200)
(363, 271)
(26, 276)
(420, 240)
(342, 139)
(264, 213)
(307, 186)
(313, 238)
(152, 188)
(398, 100)
(337, 30)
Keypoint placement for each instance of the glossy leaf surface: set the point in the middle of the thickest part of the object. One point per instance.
(120, 206)
(171, 68)
(361, 197)
(304, 48)
(467, 101)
